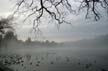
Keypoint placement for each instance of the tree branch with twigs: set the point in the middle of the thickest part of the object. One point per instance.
(55, 9)
(91, 6)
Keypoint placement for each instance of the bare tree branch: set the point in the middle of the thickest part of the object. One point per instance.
(91, 6)
(53, 9)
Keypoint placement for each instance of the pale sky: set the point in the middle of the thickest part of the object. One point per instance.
(80, 28)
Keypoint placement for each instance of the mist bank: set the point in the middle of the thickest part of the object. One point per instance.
(11, 41)
(45, 55)
(99, 41)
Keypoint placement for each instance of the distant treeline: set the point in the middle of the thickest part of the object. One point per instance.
(9, 39)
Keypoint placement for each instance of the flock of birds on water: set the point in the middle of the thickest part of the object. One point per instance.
(22, 61)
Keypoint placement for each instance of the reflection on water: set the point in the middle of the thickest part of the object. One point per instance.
(56, 59)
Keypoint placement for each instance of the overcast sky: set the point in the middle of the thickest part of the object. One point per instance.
(80, 28)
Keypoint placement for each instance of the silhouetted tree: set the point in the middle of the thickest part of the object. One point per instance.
(28, 40)
(7, 38)
(0, 40)
(47, 42)
(9, 35)
(6, 25)
(53, 43)
(6, 29)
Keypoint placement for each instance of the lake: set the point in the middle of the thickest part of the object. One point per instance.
(55, 59)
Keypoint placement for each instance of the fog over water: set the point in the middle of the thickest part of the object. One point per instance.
(66, 56)
(80, 46)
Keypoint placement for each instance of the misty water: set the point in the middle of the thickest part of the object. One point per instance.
(30, 58)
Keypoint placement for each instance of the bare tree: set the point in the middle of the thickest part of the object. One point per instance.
(55, 9)
(6, 30)
(5, 25)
